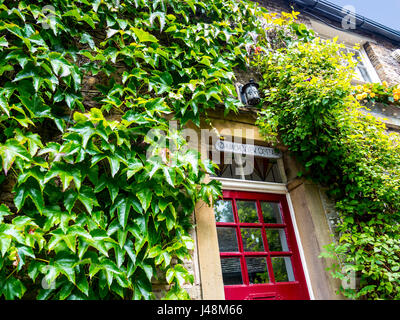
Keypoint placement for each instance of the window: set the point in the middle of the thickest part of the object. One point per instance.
(265, 170)
(234, 167)
(364, 71)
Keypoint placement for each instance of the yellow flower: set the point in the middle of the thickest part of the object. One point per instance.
(396, 97)
(359, 97)
(372, 95)
(385, 84)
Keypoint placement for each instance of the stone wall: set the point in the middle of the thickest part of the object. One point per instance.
(380, 55)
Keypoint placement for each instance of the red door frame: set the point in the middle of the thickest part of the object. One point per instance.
(294, 290)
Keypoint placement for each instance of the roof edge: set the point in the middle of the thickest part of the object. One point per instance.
(336, 13)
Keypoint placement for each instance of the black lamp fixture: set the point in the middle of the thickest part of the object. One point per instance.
(249, 94)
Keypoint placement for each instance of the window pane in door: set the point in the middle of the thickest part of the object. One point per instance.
(271, 212)
(227, 240)
(283, 270)
(252, 239)
(276, 239)
(223, 211)
(231, 271)
(247, 211)
(257, 270)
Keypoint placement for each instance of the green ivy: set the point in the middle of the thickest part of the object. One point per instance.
(100, 210)
(104, 188)
(310, 107)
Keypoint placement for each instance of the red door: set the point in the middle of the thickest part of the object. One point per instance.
(258, 250)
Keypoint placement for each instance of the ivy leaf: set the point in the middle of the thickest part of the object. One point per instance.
(161, 19)
(114, 164)
(87, 39)
(70, 199)
(11, 231)
(144, 286)
(65, 266)
(188, 242)
(130, 251)
(34, 269)
(86, 130)
(35, 105)
(167, 174)
(122, 237)
(24, 251)
(83, 285)
(3, 42)
(66, 174)
(33, 140)
(144, 36)
(144, 196)
(10, 151)
(4, 211)
(5, 243)
(122, 205)
(111, 32)
(87, 197)
(134, 166)
(179, 273)
(119, 255)
(4, 105)
(148, 269)
(31, 189)
(66, 290)
(12, 288)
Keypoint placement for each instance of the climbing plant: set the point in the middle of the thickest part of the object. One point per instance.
(378, 92)
(103, 187)
(311, 107)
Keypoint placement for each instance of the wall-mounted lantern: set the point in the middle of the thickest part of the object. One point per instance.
(249, 94)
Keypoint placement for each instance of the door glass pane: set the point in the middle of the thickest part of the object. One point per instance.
(247, 211)
(271, 212)
(223, 211)
(231, 271)
(283, 270)
(227, 240)
(257, 270)
(252, 239)
(276, 239)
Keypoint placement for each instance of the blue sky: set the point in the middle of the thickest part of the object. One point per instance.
(386, 12)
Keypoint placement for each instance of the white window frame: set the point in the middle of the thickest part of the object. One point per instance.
(368, 66)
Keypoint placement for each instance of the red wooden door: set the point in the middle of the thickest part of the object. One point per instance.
(258, 250)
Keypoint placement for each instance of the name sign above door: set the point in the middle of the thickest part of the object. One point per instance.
(249, 149)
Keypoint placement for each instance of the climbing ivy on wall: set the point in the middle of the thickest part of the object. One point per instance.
(312, 108)
(103, 187)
